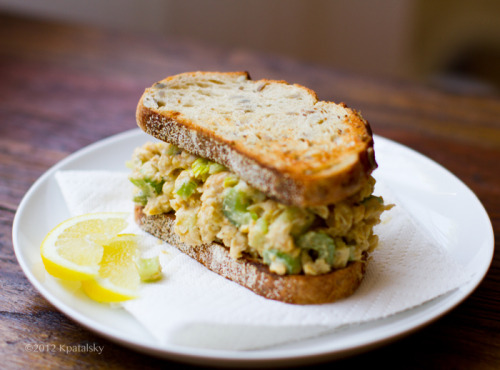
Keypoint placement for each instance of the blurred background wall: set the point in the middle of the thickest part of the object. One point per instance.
(447, 42)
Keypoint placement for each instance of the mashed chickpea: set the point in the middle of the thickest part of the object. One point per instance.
(213, 205)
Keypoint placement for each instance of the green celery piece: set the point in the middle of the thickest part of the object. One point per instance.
(201, 168)
(292, 263)
(231, 181)
(156, 185)
(186, 189)
(216, 168)
(149, 187)
(234, 206)
(140, 199)
(140, 183)
(263, 225)
(149, 268)
(173, 150)
(300, 219)
(320, 242)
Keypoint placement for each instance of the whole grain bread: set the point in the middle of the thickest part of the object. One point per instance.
(276, 136)
(297, 289)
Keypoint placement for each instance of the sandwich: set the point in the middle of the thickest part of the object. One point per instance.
(260, 182)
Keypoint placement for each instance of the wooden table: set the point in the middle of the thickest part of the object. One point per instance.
(63, 87)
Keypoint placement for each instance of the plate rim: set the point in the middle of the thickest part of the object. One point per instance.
(228, 357)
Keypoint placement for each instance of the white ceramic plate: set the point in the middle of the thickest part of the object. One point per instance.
(441, 202)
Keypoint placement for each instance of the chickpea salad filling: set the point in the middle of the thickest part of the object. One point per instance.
(211, 204)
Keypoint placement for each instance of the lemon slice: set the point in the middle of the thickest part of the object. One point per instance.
(74, 248)
(89, 249)
(118, 277)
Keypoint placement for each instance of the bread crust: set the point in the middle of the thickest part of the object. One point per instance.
(255, 276)
(291, 184)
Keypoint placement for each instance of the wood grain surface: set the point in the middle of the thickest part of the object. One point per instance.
(63, 87)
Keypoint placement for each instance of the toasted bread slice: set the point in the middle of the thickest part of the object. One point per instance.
(277, 137)
(297, 289)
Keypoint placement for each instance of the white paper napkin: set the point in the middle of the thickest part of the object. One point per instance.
(193, 306)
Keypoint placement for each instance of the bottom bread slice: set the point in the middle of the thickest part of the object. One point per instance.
(297, 289)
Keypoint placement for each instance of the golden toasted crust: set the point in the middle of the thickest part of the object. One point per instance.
(297, 289)
(296, 149)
